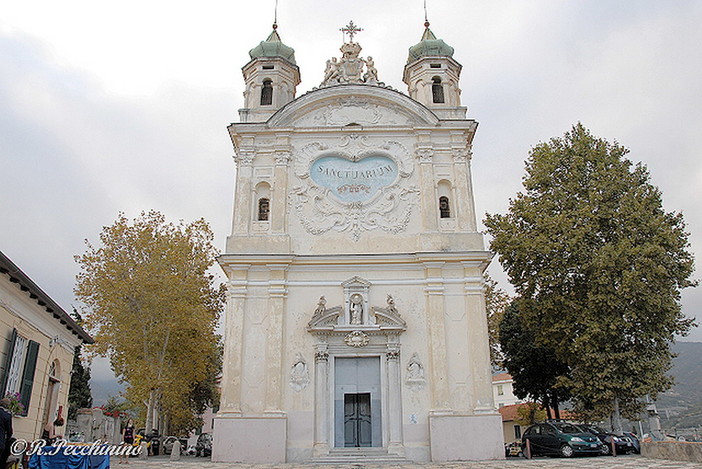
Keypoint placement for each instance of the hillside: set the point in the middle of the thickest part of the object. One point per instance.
(681, 407)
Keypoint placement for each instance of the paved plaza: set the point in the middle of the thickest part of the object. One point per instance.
(623, 462)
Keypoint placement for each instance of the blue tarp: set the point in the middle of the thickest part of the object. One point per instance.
(62, 461)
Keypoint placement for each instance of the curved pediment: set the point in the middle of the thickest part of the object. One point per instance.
(344, 105)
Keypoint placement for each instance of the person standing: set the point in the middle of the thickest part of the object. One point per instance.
(5, 431)
(128, 439)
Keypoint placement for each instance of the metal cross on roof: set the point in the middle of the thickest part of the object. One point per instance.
(351, 29)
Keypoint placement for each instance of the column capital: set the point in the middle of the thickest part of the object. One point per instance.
(425, 155)
(244, 157)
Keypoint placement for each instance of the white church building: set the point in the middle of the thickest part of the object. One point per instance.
(355, 322)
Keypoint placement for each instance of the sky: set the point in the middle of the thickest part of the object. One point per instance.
(123, 107)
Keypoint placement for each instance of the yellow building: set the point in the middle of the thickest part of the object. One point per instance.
(37, 342)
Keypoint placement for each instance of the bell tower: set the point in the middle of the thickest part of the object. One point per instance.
(432, 75)
(271, 79)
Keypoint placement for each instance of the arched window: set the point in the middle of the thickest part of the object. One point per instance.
(437, 90)
(267, 93)
(444, 208)
(264, 209)
(262, 202)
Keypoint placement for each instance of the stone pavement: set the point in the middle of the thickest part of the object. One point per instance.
(601, 462)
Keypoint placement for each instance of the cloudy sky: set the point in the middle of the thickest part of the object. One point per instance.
(123, 106)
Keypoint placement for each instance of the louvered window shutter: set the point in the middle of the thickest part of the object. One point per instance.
(8, 362)
(30, 365)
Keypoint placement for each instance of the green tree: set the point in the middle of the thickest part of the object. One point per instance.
(496, 300)
(79, 393)
(529, 413)
(538, 374)
(153, 307)
(599, 266)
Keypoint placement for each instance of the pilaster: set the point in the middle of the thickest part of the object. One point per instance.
(394, 398)
(280, 189)
(425, 156)
(436, 326)
(234, 338)
(277, 293)
(321, 400)
(464, 201)
(242, 198)
(481, 395)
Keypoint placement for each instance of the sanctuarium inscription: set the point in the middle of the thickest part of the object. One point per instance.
(354, 181)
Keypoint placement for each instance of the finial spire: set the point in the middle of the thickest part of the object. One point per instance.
(275, 16)
(351, 29)
(426, 20)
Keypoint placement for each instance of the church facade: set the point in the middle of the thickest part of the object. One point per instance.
(355, 319)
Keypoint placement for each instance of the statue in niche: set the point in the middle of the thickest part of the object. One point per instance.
(299, 374)
(356, 308)
(415, 373)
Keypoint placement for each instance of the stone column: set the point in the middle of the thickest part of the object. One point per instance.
(274, 347)
(464, 189)
(436, 326)
(242, 197)
(394, 399)
(321, 400)
(233, 338)
(428, 193)
(280, 191)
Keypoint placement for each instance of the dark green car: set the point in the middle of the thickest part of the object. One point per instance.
(559, 438)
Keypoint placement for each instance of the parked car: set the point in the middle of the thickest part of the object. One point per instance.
(513, 449)
(560, 438)
(622, 443)
(635, 441)
(167, 444)
(203, 447)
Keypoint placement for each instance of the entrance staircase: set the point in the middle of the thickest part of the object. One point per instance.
(359, 456)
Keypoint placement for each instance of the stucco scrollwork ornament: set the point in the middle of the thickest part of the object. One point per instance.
(371, 193)
(393, 355)
(356, 339)
(299, 374)
(415, 373)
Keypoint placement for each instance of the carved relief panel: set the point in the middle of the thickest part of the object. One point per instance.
(354, 186)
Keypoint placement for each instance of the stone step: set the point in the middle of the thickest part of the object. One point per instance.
(359, 456)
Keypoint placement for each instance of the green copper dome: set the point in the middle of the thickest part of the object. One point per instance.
(429, 46)
(273, 47)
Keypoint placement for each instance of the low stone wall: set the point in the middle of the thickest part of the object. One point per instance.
(675, 450)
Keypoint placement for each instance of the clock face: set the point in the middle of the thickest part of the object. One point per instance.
(354, 181)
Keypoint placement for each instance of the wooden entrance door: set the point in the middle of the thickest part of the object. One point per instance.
(357, 420)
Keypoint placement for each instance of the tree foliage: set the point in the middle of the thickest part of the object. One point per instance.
(152, 308)
(537, 372)
(79, 393)
(598, 266)
(496, 300)
(529, 413)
